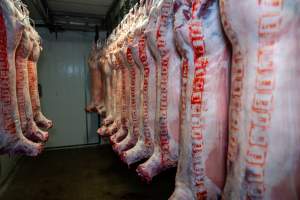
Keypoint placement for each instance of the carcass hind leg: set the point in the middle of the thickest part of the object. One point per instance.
(43, 122)
(139, 152)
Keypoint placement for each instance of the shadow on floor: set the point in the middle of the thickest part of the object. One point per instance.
(84, 174)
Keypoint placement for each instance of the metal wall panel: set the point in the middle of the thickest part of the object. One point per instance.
(63, 74)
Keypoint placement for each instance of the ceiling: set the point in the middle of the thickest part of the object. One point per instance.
(78, 15)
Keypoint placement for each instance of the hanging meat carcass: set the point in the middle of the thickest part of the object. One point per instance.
(204, 100)
(108, 96)
(105, 74)
(168, 65)
(125, 113)
(116, 90)
(96, 104)
(264, 153)
(143, 58)
(101, 67)
(118, 66)
(39, 118)
(108, 123)
(133, 132)
(109, 119)
(29, 127)
(12, 139)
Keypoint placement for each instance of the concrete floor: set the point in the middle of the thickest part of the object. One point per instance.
(94, 173)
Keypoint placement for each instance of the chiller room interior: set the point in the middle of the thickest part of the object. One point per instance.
(149, 100)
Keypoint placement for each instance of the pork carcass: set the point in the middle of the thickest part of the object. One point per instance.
(107, 71)
(116, 85)
(39, 118)
(143, 58)
(133, 131)
(12, 139)
(123, 131)
(96, 104)
(125, 112)
(204, 100)
(121, 98)
(109, 119)
(29, 127)
(161, 40)
(264, 153)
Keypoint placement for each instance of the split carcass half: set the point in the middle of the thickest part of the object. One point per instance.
(134, 73)
(161, 39)
(143, 58)
(125, 102)
(96, 104)
(39, 117)
(12, 139)
(204, 100)
(29, 127)
(108, 120)
(264, 154)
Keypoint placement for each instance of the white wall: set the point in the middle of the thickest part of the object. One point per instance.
(63, 74)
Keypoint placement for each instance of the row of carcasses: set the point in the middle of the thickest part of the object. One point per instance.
(162, 83)
(21, 119)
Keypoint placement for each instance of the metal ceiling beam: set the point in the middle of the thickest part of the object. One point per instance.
(41, 12)
(61, 21)
(77, 15)
(44, 13)
(61, 27)
(47, 10)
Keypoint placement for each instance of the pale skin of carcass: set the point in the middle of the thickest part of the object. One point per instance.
(130, 140)
(167, 122)
(119, 136)
(107, 74)
(109, 123)
(214, 103)
(114, 127)
(122, 132)
(265, 163)
(29, 127)
(144, 147)
(125, 132)
(12, 140)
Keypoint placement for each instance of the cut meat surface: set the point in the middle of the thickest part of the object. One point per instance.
(39, 118)
(96, 104)
(29, 127)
